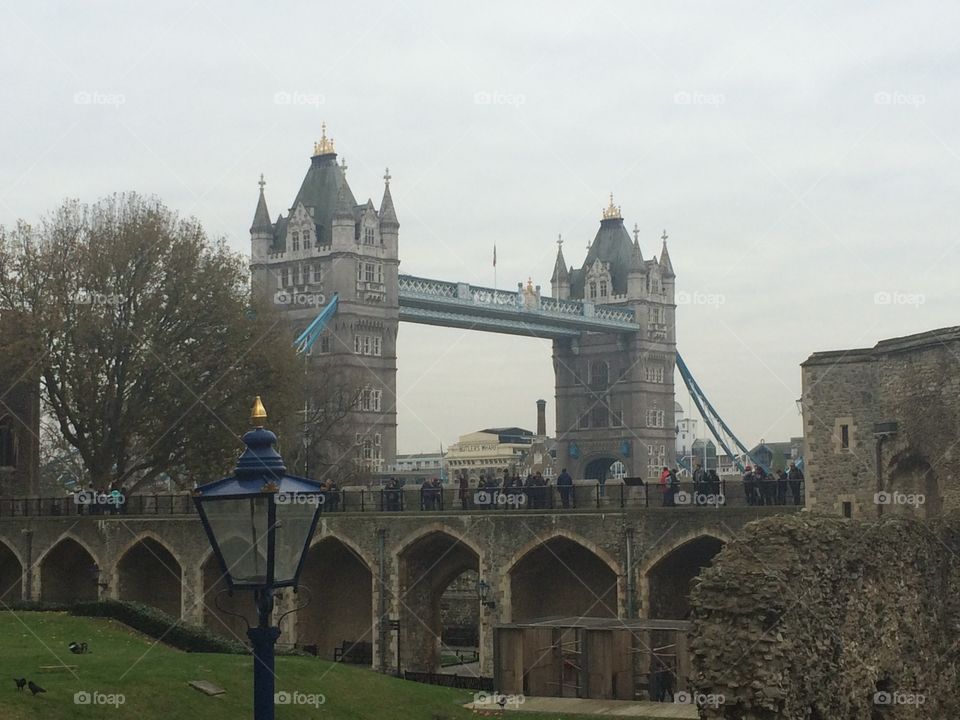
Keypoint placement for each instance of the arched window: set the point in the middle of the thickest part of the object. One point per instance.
(8, 443)
(599, 374)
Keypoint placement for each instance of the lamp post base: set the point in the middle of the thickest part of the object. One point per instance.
(263, 640)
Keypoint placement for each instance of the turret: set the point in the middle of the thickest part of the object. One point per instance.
(261, 231)
(389, 225)
(560, 280)
(637, 271)
(344, 223)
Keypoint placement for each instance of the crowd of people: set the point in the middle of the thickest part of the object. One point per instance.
(772, 488)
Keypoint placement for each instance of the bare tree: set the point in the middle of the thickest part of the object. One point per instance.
(149, 346)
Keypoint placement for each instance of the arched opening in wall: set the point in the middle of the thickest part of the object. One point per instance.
(669, 581)
(562, 578)
(339, 585)
(600, 469)
(220, 608)
(68, 573)
(149, 574)
(460, 620)
(912, 487)
(428, 567)
(11, 575)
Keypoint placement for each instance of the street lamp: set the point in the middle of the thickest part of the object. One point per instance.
(483, 590)
(259, 522)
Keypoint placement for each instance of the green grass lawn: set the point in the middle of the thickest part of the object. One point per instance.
(153, 679)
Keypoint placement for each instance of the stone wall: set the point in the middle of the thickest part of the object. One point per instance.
(914, 381)
(814, 617)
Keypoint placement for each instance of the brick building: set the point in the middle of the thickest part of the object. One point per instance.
(882, 427)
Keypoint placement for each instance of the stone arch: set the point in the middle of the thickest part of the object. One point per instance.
(666, 574)
(11, 573)
(563, 574)
(339, 580)
(149, 572)
(218, 605)
(910, 477)
(69, 571)
(427, 562)
(597, 466)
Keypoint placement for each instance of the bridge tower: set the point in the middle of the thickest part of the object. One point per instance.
(614, 391)
(329, 243)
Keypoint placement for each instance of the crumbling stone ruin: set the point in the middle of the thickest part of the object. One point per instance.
(823, 618)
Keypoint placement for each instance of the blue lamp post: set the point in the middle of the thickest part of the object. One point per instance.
(259, 522)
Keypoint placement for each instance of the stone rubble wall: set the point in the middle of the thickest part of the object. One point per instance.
(810, 616)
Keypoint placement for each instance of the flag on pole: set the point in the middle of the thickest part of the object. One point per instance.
(494, 254)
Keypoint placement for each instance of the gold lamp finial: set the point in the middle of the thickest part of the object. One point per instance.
(613, 211)
(325, 146)
(259, 412)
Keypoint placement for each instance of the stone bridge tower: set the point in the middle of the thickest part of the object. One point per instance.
(615, 398)
(329, 243)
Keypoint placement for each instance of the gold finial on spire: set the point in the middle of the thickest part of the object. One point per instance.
(529, 284)
(259, 412)
(612, 211)
(325, 146)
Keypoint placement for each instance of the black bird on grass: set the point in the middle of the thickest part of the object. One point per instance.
(21, 683)
(78, 648)
(34, 688)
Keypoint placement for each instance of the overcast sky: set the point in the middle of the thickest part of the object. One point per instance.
(804, 160)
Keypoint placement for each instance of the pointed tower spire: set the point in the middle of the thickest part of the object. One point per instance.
(560, 273)
(636, 257)
(388, 216)
(344, 209)
(665, 264)
(261, 218)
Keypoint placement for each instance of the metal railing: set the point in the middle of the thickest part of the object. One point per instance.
(581, 496)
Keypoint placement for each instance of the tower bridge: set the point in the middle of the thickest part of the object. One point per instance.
(611, 320)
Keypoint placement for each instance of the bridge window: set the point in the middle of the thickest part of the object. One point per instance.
(367, 345)
(369, 451)
(8, 444)
(296, 241)
(368, 236)
(616, 418)
(603, 288)
(653, 373)
(324, 343)
(845, 437)
(599, 374)
(655, 418)
(599, 417)
(316, 272)
(593, 290)
(285, 277)
(370, 400)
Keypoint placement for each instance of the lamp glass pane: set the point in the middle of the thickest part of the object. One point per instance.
(240, 529)
(295, 515)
